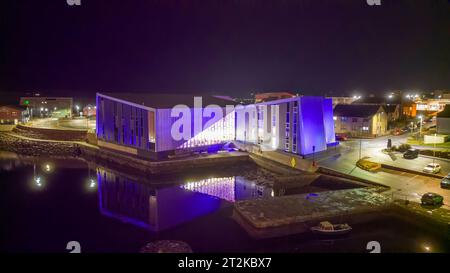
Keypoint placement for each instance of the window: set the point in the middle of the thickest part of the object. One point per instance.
(365, 128)
(354, 119)
(343, 118)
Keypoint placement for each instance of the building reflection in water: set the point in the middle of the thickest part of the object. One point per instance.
(227, 188)
(125, 198)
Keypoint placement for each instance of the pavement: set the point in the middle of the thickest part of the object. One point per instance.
(403, 185)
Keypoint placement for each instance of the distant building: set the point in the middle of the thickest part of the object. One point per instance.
(262, 97)
(443, 121)
(141, 124)
(57, 107)
(393, 111)
(409, 109)
(89, 110)
(342, 100)
(13, 114)
(360, 120)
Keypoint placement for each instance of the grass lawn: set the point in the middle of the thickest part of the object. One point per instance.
(445, 145)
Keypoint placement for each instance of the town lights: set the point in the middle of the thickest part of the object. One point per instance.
(47, 167)
(37, 181)
(92, 183)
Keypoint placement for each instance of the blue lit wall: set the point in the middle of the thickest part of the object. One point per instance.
(121, 123)
(328, 120)
(312, 128)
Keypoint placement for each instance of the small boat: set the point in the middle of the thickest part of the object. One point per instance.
(329, 229)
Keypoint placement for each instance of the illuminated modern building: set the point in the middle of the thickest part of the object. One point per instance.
(299, 125)
(142, 125)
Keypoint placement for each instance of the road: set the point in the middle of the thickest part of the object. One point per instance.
(403, 184)
(54, 123)
(373, 148)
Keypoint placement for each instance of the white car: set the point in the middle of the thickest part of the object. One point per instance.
(432, 168)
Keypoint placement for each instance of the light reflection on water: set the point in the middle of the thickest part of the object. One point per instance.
(159, 208)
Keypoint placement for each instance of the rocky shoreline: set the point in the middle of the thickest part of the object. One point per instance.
(38, 148)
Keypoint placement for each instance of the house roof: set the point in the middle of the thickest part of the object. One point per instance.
(168, 100)
(356, 110)
(444, 113)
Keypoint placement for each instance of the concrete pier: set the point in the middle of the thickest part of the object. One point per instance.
(281, 216)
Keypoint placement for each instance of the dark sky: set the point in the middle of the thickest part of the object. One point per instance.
(224, 47)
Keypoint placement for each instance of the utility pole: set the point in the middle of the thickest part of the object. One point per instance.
(360, 142)
(434, 150)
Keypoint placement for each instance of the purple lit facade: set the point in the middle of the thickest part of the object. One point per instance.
(305, 124)
(141, 124)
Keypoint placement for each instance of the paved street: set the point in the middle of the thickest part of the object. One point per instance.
(54, 123)
(403, 184)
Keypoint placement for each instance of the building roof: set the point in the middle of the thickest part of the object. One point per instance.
(273, 96)
(356, 110)
(167, 100)
(444, 113)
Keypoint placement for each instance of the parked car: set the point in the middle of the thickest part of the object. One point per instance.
(432, 168)
(411, 154)
(432, 199)
(341, 137)
(445, 182)
(398, 131)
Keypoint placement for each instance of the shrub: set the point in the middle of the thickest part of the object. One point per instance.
(368, 165)
(403, 148)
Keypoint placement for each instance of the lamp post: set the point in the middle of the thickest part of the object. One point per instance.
(314, 155)
(421, 120)
(78, 109)
(434, 150)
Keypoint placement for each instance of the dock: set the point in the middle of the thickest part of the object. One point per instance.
(293, 214)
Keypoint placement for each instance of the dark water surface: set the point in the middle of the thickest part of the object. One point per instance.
(44, 207)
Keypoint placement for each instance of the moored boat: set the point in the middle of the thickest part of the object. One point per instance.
(327, 228)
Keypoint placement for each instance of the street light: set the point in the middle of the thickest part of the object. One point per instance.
(434, 150)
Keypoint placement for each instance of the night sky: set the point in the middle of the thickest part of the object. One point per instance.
(231, 47)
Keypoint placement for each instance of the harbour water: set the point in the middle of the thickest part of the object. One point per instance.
(45, 203)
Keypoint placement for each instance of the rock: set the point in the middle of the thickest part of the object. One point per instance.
(166, 246)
